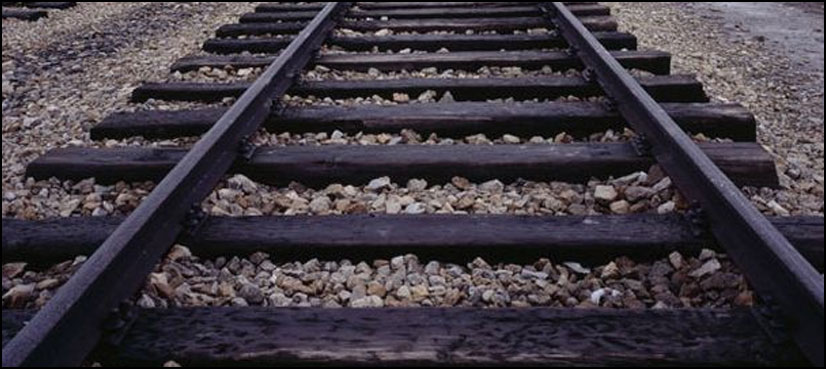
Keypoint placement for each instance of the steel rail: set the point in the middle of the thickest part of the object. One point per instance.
(72, 323)
(779, 274)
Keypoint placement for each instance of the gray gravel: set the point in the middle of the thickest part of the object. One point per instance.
(216, 75)
(62, 75)
(320, 73)
(426, 97)
(411, 137)
(736, 64)
(705, 280)
(636, 193)
(53, 94)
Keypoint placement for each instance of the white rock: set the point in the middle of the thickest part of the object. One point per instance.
(179, 252)
(778, 209)
(529, 274)
(659, 306)
(401, 97)
(12, 270)
(662, 185)
(432, 268)
(383, 32)
(605, 193)
(416, 184)
(251, 293)
(430, 71)
(258, 257)
(675, 259)
(8, 89)
(626, 180)
(415, 208)
(280, 300)
(577, 267)
(124, 199)
(460, 183)
(492, 186)
(68, 207)
(320, 205)
(241, 182)
(419, 292)
(397, 262)
(620, 207)
(378, 184)
(436, 280)
(218, 211)
(17, 296)
(596, 296)
(392, 205)
(146, 302)
(667, 207)
(376, 288)
(447, 98)
(511, 139)
(479, 263)
(636, 193)
(403, 293)
(706, 254)
(47, 284)
(371, 301)
(427, 96)
(710, 266)
(228, 194)
(161, 284)
(610, 271)
(344, 295)
(537, 140)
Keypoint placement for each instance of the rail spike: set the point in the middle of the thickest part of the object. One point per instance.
(589, 75)
(246, 148)
(641, 144)
(698, 219)
(117, 323)
(194, 220)
(770, 317)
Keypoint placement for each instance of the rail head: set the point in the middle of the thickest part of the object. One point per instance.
(71, 324)
(777, 271)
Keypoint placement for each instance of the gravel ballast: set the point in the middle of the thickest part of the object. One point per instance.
(53, 95)
(704, 280)
(737, 64)
(64, 74)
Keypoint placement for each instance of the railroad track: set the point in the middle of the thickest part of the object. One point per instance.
(91, 317)
(32, 11)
